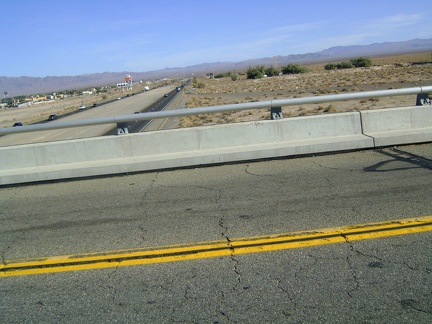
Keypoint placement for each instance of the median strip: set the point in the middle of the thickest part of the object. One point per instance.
(213, 249)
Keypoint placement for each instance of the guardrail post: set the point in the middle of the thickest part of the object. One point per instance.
(122, 128)
(276, 113)
(423, 99)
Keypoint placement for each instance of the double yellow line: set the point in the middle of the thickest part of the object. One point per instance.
(213, 249)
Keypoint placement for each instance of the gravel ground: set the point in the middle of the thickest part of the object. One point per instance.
(386, 73)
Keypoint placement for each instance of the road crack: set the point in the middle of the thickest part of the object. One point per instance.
(413, 304)
(279, 286)
(332, 168)
(224, 233)
(351, 267)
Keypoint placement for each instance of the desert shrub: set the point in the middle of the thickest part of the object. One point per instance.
(271, 71)
(358, 62)
(257, 72)
(361, 62)
(330, 108)
(234, 77)
(344, 65)
(223, 75)
(293, 69)
(197, 84)
(330, 66)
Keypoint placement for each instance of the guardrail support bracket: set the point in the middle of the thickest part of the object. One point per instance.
(122, 128)
(276, 113)
(423, 99)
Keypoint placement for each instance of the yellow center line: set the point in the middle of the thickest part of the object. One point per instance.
(211, 249)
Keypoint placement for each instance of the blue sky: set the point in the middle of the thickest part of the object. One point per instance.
(57, 38)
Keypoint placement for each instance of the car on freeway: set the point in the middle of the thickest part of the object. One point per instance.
(17, 124)
(165, 95)
(82, 107)
(95, 104)
(118, 98)
(52, 117)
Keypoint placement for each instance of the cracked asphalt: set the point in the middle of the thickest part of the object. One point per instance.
(377, 280)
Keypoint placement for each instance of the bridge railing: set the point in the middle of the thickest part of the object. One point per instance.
(422, 93)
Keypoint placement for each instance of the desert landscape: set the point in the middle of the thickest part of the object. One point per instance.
(391, 72)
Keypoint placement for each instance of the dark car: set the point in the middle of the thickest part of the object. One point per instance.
(95, 104)
(165, 95)
(17, 124)
(52, 117)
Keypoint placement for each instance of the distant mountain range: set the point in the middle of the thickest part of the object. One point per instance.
(33, 85)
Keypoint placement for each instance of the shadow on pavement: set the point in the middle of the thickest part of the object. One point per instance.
(410, 161)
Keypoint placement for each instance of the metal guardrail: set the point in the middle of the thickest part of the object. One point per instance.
(422, 93)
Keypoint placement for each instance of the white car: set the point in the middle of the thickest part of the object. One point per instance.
(82, 107)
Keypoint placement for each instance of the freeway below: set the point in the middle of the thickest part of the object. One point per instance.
(367, 278)
(124, 106)
(139, 126)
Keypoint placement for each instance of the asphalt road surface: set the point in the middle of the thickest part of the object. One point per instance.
(124, 106)
(372, 280)
(140, 125)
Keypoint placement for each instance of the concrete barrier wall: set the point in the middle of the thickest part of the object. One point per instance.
(202, 145)
(398, 126)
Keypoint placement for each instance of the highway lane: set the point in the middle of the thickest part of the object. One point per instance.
(139, 126)
(126, 105)
(386, 279)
